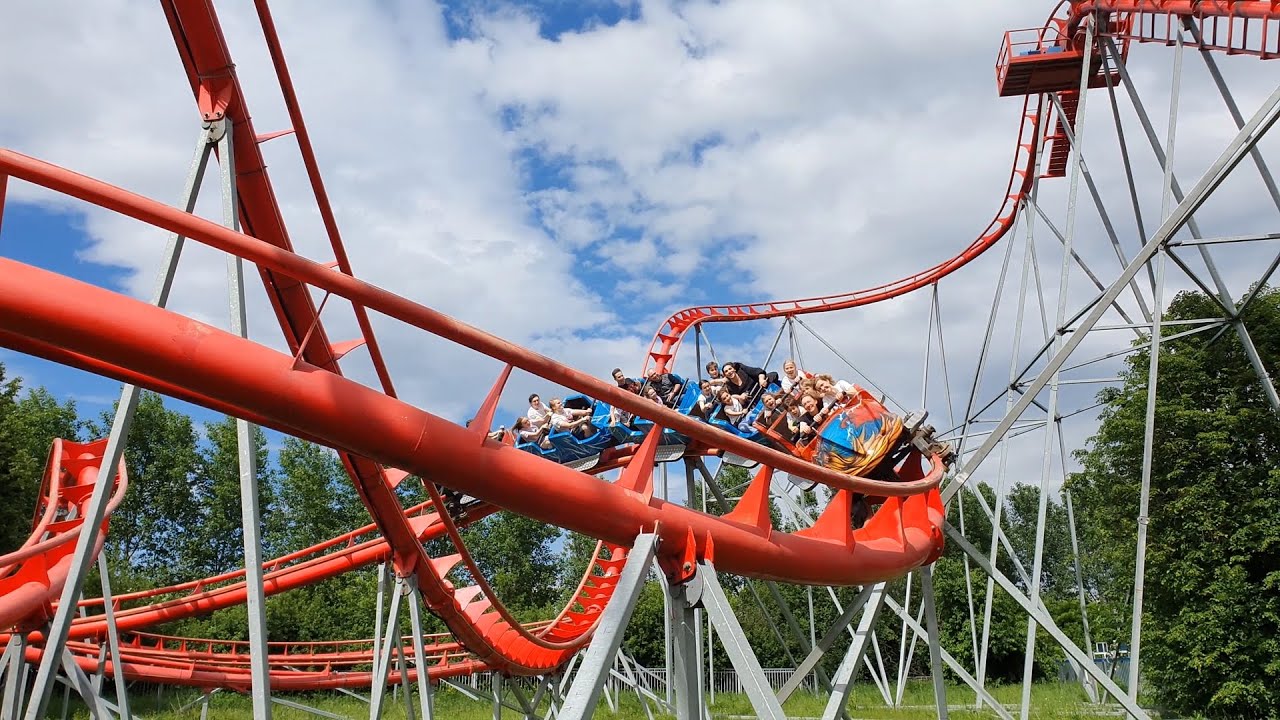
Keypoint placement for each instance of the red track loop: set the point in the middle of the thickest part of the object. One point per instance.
(32, 576)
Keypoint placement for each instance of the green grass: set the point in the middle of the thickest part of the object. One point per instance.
(1051, 701)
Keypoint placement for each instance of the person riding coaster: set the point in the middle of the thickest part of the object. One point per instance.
(859, 436)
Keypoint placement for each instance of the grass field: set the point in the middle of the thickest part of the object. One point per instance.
(1049, 700)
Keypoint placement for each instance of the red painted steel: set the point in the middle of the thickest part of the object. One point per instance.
(31, 577)
(492, 640)
(284, 262)
(177, 668)
(294, 396)
(307, 397)
(1236, 27)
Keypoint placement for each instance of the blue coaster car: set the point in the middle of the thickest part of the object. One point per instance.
(570, 447)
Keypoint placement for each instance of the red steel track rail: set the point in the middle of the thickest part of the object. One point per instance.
(32, 576)
(305, 395)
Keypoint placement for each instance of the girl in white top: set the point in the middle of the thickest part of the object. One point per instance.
(527, 433)
(791, 375)
(730, 407)
(833, 391)
(565, 419)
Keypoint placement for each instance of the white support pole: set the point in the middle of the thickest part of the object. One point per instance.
(113, 638)
(13, 663)
(683, 679)
(1001, 473)
(383, 662)
(402, 666)
(1153, 369)
(935, 642)
(84, 686)
(1077, 171)
(903, 640)
(666, 614)
(842, 684)
(259, 672)
(425, 698)
(951, 662)
(583, 696)
(879, 675)
(904, 671)
(495, 680)
(56, 638)
(1046, 621)
(705, 588)
(376, 688)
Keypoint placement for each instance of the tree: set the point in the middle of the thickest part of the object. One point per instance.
(515, 554)
(1007, 636)
(1057, 570)
(1212, 605)
(316, 500)
(28, 424)
(220, 531)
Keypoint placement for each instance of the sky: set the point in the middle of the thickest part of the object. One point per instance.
(567, 174)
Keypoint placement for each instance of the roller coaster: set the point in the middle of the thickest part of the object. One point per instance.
(467, 473)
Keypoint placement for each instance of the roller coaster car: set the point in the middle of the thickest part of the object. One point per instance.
(583, 453)
(863, 438)
(1047, 59)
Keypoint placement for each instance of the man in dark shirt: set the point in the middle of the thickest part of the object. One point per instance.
(626, 383)
(666, 386)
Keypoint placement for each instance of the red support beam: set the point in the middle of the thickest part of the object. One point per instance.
(155, 343)
(298, 270)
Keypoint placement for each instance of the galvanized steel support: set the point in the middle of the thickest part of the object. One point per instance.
(56, 637)
(247, 454)
(705, 589)
(1046, 621)
(842, 684)
(1244, 141)
(598, 659)
(425, 698)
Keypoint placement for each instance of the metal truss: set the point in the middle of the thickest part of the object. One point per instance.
(1128, 278)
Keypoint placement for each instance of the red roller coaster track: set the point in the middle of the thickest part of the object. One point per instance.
(305, 395)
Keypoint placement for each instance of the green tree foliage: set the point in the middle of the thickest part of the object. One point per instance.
(576, 552)
(1211, 638)
(219, 534)
(517, 556)
(1007, 636)
(28, 424)
(316, 500)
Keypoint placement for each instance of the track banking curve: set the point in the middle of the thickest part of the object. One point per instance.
(161, 349)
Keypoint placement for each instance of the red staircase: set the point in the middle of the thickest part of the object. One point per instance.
(1058, 144)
